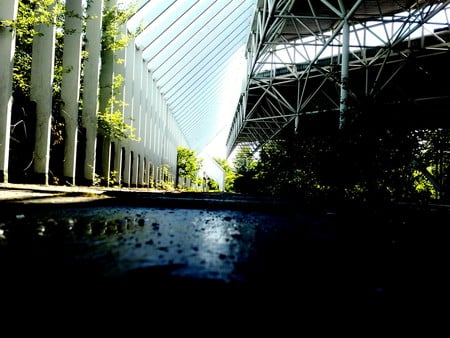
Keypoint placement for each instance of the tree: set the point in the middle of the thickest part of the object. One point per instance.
(245, 168)
(230, 175)
(212, 184)
(188, 165)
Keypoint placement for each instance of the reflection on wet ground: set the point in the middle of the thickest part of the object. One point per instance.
(169, 260)
(115, 241)
(123, 254)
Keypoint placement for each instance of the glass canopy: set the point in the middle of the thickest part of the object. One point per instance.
(190, 47)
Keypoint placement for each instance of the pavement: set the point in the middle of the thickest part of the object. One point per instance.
(37, 193)
(201, 243)
(143, 257)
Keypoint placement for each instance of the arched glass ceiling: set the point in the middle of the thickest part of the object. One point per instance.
(188, 46)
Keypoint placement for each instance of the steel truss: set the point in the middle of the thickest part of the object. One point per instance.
(310, 57)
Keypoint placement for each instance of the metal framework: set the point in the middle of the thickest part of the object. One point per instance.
(310, 57)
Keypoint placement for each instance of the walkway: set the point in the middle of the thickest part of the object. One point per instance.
(154, 246)
(172, 256)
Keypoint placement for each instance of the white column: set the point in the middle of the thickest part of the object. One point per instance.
(127, 167)
(128, 109)
(91, 87)
(105, 93)
(42, 68)
(148, 113)
(153, 122)
(118, 162)
(160, 126)
(70, 86)
(142, 119)
(144, 107)
(105, 158)
(135, 169)
(8, 11)
(136, 113)
(119, 69)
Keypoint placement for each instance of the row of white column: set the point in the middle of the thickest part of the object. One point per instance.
(149, 159)
(8, 11)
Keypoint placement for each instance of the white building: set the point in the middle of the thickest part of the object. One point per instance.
(212, 170)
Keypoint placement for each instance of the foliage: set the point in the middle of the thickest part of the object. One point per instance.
(112, 123)
(230, 175)
(166, 183)
(34, 12)
(188, 164)
(212, 185)
(366, 165)
(244, 161)
(114, 18)
(30, 14)
(245, 169)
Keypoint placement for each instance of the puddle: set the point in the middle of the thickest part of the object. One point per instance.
(115, 241)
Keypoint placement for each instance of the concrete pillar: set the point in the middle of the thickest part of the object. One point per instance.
(106, 160)
(91, 84)
(152, 174)
(152, 120)
(164, 135)
(119, 69)
(144, 176)
(159, 127)
(128, 109)
(70, 86)
(42, 68)
(8, 11)
(135, 169)
(148, 128)
(135, 115)
(127, 168)
(149, 174)
(118, 163)
(142, 118)
(136, 112)
(144, 108)
(158, 175)
(141, 171)
(106, 81)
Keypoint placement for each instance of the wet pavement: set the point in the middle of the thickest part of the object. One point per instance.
(213, 250)
(217, 256)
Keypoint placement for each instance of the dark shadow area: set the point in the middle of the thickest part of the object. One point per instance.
(288, 266)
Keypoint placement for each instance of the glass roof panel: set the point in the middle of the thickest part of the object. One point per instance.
(148, 13)
(208, 39)
(179, 33)
(188, 45)
(205, 61)
(158, 27)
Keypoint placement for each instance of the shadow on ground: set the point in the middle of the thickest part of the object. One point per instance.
(168, 254)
